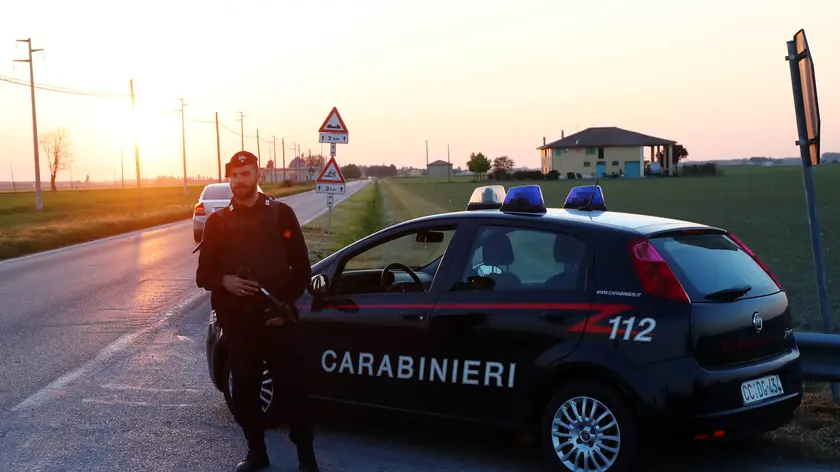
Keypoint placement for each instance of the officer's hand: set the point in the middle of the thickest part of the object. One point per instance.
(239, 286)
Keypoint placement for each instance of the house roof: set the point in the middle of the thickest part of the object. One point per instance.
(607, 137)
(439, 163)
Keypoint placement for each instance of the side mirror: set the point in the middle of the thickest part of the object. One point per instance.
(318, 286)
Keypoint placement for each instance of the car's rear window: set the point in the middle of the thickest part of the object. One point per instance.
(217, 193)
(708, 263)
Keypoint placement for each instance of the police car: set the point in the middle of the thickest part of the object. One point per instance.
(597, 331)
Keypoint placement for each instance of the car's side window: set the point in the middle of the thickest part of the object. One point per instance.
(420, 250)
(504, 258)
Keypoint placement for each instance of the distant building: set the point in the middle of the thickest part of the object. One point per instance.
(296, 170)
(597, 152)
(439, 169)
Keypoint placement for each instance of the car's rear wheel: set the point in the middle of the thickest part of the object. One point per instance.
(587, 427)
(267, 396)
(197, 235)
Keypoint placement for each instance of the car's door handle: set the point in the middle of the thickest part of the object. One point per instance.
(414, 315)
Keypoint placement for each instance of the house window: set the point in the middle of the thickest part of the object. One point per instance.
(591, 151)
(600, 153)
(615, 163)
(557, 152)
(587, 164)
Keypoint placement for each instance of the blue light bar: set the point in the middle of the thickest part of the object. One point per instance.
(488, 197)
(579, 198)
(524, 199)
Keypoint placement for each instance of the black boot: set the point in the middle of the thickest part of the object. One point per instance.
(255, 460)
(306, 459)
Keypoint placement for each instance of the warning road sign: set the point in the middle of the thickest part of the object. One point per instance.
(331, 179)
(333, 130)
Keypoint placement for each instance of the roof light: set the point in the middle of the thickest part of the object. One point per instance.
(488, 197)
(579, 198)
(524, 199)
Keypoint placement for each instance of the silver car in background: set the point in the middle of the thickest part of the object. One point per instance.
(213, 197)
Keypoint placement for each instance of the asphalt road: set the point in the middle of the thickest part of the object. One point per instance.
(61, 309)
(101, 375)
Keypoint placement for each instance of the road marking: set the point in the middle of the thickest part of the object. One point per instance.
(131, 403)
(121, 344)
(95, 241)
(149, 389)
(152, 228)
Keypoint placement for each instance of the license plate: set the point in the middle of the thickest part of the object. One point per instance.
(761, 389)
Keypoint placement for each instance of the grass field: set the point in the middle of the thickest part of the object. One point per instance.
(71, 217)
(764, 206)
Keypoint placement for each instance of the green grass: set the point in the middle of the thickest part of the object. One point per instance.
(71, 217)
(355, 218)
(765, 207)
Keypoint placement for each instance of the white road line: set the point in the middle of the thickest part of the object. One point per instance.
(95, 241)
(149, 389)
(121, 344)
(152, 228)
(131, 403)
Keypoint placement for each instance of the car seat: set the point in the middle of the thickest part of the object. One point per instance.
(569, 252)
(498, 252)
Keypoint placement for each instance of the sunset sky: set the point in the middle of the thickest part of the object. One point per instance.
(487, 76)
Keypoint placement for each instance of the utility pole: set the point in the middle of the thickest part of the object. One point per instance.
(283, 149)
(275, 155)
(136, 148)
(242, 129)
(39, 203)
(218, 148)
(259, 158)
(184, 146)
(122, 168)
(14, 187)
(448, 163)
(427, 160)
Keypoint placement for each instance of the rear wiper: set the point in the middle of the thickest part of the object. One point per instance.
(729, 294)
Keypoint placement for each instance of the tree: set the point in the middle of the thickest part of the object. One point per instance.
(56, 147)
(478, 164)
(501, 167)
(680, 152)
(502, 164)
(317, 161)
(351, 171)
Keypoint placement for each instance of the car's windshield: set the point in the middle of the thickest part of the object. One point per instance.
(217, 193)
(405, 250)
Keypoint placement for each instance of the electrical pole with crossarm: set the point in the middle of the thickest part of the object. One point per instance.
(242, 129)
(184, 145)
(39, 203)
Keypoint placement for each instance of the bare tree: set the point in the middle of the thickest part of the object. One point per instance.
(56, 147)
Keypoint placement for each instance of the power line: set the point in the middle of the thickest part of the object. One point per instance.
(65, 90)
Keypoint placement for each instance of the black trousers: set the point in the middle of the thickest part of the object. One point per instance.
(280, 348)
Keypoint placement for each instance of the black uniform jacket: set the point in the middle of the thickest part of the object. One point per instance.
(271, 247)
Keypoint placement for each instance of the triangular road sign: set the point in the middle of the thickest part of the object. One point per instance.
(333, 123)
(331, 173)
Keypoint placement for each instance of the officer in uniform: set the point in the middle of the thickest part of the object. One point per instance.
(256, 243)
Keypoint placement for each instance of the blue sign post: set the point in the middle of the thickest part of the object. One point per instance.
(807, 109)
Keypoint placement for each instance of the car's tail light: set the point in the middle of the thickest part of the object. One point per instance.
(655, 275)
(756, 259)
(199, 210)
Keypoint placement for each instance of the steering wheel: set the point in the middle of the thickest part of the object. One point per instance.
(494, 269)
(396, 265)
